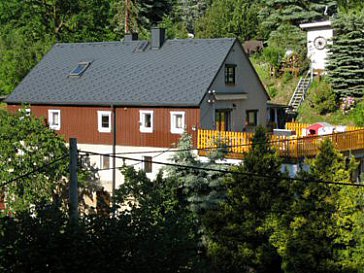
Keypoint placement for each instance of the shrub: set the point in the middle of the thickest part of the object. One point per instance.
(358, 114)
(325, 99)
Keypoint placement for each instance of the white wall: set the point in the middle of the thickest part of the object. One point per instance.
(318, 57)
(158, 154)
(246, 82)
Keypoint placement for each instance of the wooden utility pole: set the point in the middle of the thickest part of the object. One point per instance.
(73, 188)
(127, 16)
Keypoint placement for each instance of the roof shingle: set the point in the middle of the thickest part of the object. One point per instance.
(178, 74)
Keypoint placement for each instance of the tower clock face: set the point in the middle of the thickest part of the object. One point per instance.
(320, 43)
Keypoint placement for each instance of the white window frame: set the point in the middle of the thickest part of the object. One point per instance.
(50, 119)
(143, 128)
(102, 129)
(174, 129)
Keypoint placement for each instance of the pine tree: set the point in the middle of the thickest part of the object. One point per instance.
(293, 12)
(309, 233)
(189, 11)
(346, 58)
(203, 189)
(238, 232)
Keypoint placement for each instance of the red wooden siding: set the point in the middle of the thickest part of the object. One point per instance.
(81, 123)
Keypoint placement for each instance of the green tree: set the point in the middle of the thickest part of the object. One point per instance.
(324, 97)
(34, 165)
(229, 19)
(238, 232)
(153, 231)
(345, 63)
(203, 189)
(313, 224)
(189, 11)
(25, 145)
(28, 29)
(294, 12)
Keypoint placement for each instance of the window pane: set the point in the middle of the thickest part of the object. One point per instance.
(105, 161)
(147, 120)
(55, 118)
(179, 121)
(252, 117)
(230, 74)
(105, 121)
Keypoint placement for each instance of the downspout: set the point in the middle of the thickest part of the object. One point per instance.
(113, 152)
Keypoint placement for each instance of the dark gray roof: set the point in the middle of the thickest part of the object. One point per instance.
(178, 74)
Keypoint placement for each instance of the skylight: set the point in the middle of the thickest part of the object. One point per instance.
(79, 69)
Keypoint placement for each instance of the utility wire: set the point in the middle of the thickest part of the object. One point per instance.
(231, 172)
(33, 171)
(172, 149)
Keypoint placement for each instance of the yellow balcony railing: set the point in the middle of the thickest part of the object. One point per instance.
(239, 143)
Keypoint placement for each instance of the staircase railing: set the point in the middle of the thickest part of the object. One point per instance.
(302, 81)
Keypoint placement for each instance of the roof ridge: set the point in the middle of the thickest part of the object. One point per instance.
(136, 41)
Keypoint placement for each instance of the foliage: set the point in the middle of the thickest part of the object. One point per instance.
(345, 66)
(358, 114)
(154, 232)
(28, 29)
(203, 188)
(189, 11)
(174, 30)
(324, 98)
(26, 144)
(151, 12)
(293, 12)
(309, 112)
(279, 90)
(229, 19)
(317, 219)
(237, 231)
(288, 37)
(273, 57)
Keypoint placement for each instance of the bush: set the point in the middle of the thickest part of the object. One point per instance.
(358, 114)
(272, 90)
(324, 98)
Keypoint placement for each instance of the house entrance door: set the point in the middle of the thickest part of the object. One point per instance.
(222, 120)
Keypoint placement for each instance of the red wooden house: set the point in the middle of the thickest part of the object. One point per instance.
(134, 96)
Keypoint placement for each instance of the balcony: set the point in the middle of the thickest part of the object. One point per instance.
(293, 147)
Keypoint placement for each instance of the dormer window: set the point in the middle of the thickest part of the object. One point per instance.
(230, 74)
(79, 69)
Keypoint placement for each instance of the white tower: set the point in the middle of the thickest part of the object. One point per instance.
(319, 35)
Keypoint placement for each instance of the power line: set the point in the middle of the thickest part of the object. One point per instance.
(297, 139)
(231, 172)
(33, 171)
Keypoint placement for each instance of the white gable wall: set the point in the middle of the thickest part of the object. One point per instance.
(247, 82)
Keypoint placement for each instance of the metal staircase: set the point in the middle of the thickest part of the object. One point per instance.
(300, 92)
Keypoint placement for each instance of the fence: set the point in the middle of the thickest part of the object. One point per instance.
(239, 143)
